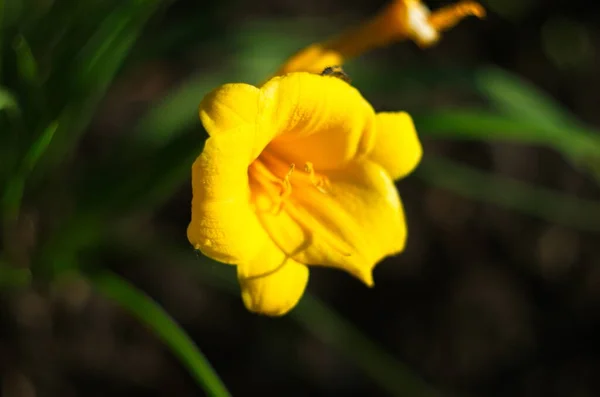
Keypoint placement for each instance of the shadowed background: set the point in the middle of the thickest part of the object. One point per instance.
(497, 293)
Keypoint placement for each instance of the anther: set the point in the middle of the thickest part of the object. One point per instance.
(286, 190)
(286, 184)
(320, 182)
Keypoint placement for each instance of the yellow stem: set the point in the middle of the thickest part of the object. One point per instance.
(398, 20)
(382, 29)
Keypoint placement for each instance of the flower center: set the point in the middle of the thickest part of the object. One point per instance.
(272, 180)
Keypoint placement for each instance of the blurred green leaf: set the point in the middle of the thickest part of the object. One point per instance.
(265, 37)
(478, 124)
(94, 68)
(331, 328)
(125, 188)
(311, 313)
(143, 182)
(11, 276)
(13, 194)
(200, 28)
(519, 99)
(579, 145)
(38, 148)
(9, 118)
(551, 206)
(177, 112)
(10, 12)
(483, 125)
(2, 30)
(150, 313)
(26, 63)
(8, 102)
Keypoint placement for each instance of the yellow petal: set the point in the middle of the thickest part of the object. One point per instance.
(355, 224)
(450, 15)
(321, 119)
(223, 225)
(397, 147)
(236, 108)
(312, 59)
(272, 283)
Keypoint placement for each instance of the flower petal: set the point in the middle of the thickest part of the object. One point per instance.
(272, 283)
(321, 119)
(397, 147)
(311, 59)
(224, 226)
(358, 222)
(234, 108)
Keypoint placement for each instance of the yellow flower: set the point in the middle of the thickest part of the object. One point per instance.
(399, 20)
(300, 171)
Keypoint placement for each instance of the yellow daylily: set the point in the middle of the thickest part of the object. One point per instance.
(399, 20)
(300, 171)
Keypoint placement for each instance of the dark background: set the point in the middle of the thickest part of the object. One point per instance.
(486, 301)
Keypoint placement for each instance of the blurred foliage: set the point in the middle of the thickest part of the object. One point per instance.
(59, 58)
(150, 313)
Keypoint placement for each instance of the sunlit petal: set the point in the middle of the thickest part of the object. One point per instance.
(223, 225)
(272, 283)
(321, 118)
(397, 147)
(355, 224)
(236, 109)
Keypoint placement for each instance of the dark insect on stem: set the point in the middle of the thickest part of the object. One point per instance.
(336, 71)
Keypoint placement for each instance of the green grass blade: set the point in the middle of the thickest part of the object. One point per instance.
(94, 68)
(519, 99)
(26, 63)
(38, 148)
(506, 192)
(326, 325)
(150, 313)
(391, 375)
(11, 199)
(312, 314)
(577, 144)
(483, 125)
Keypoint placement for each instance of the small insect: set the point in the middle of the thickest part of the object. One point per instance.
(336, 71)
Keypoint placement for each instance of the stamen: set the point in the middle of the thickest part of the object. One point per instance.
(320, 182)
(447, 17)
(286, 185)
(286, 190)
